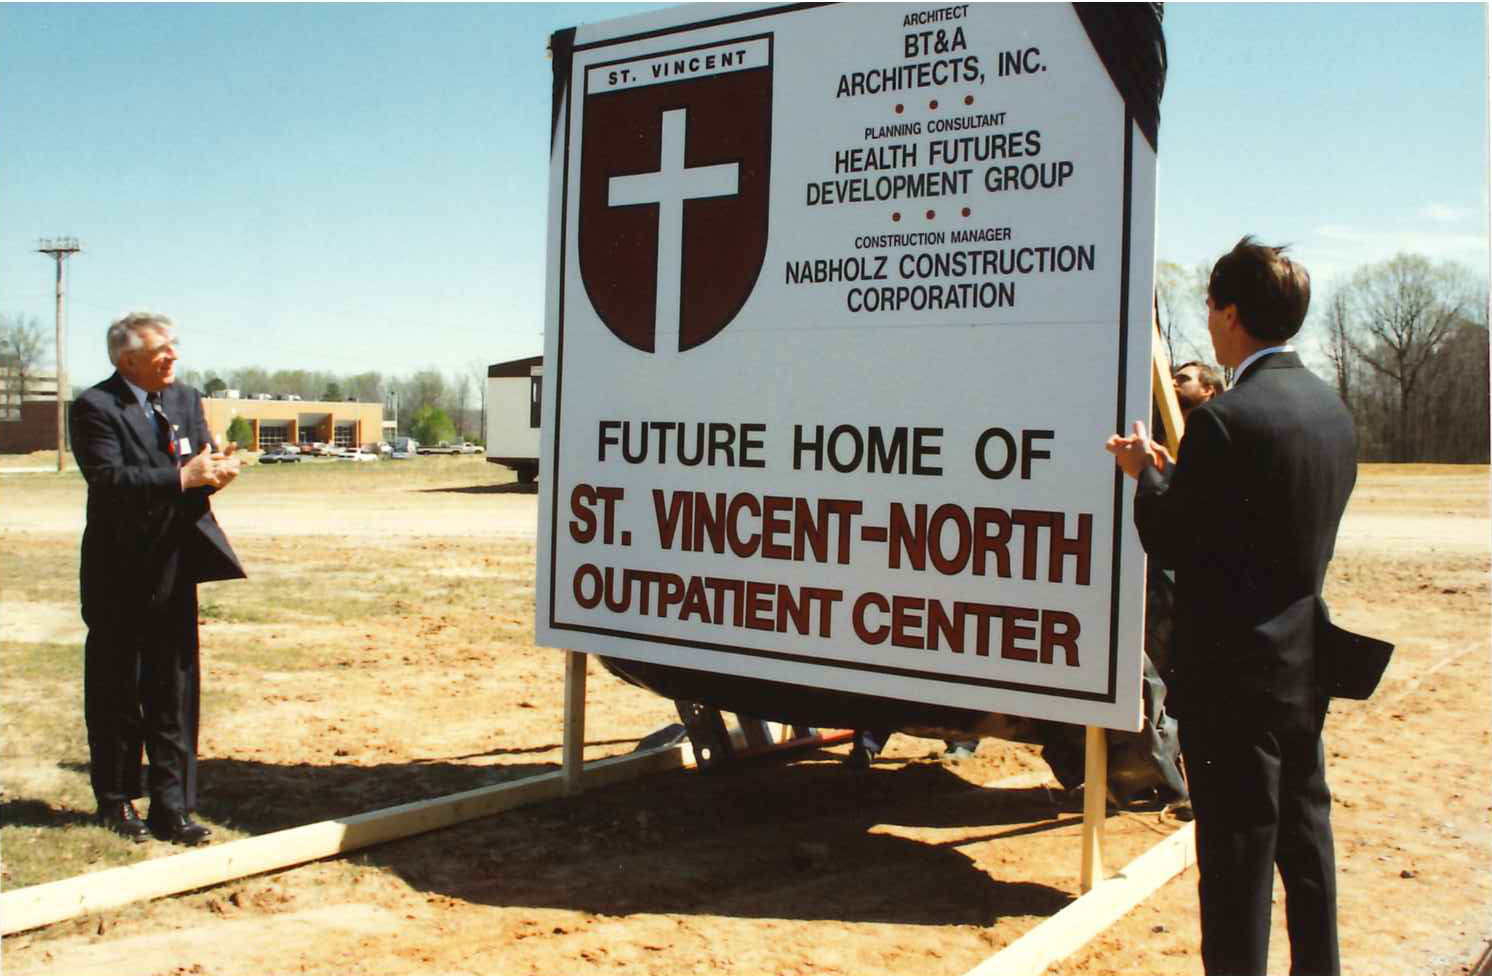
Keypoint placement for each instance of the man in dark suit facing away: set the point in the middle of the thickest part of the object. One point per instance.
(1247, 517)
(142, 443)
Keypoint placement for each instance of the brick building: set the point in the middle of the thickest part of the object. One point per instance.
(28, 412)
(28, 420)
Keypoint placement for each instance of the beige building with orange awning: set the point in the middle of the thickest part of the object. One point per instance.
(274, 422)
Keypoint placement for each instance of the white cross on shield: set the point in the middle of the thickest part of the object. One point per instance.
(669, 188)
(673, 204)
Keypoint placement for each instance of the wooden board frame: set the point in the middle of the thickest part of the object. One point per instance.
(1070, 929)
(43, 904)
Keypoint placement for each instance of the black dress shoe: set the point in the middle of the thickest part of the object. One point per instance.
(178, 828)
(122, 819)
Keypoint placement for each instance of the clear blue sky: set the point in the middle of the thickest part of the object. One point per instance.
(353, 187)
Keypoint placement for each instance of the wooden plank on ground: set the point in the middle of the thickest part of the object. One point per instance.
(1070, 929)
(43, 904)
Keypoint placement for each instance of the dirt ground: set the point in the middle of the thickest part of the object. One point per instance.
(382, 653)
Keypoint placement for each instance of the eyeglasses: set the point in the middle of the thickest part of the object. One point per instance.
(172, 344)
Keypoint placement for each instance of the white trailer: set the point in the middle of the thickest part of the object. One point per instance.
(514, 392)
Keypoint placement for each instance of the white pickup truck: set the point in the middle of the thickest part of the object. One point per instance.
(446, 447)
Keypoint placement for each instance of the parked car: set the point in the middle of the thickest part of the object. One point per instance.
(279, 455)
(447, 447)
(357, 454)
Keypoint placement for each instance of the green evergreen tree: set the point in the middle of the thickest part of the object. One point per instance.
(241, 433)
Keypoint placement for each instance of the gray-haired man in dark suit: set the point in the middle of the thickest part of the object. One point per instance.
(142, 443)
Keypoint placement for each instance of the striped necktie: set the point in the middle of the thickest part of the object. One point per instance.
(165, 433)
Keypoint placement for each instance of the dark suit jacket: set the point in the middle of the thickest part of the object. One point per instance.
(143, 533)
(1248, 519)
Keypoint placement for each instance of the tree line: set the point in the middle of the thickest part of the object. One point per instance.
(1404, 342)
(429, 405)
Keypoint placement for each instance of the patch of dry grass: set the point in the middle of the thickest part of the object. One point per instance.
(327, 674)
(320, 475)
(45, 813)
(37, 569)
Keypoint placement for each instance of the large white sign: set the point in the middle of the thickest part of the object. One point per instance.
(843, 302)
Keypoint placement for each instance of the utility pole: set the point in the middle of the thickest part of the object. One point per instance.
(60, 249)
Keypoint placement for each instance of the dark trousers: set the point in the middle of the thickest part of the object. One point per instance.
(1261, 801)
(141, 688)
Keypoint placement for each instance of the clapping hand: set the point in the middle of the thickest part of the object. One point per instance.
(209, 468)
(1137, 452)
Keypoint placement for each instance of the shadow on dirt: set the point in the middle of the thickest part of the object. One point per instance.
(508, 488)
(811, 840)
(21, 812)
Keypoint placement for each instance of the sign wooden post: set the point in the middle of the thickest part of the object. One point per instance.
(1096, 754)
(1095, 799)
(1165, 393)
(574, 742)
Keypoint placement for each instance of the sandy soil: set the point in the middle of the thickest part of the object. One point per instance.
(914, 867)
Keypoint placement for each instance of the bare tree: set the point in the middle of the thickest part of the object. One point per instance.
(1452, 401)
(1339, 352)
(1406, 309)
(1178, 294)
(22, 354)
(478, 370)
(366, 387)
(460, 392)
(426, 388)
(249, 380)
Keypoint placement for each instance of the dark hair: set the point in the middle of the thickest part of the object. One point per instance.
(1206, 375)
(1271, 292)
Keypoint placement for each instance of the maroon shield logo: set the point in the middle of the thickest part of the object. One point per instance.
(673, 194)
